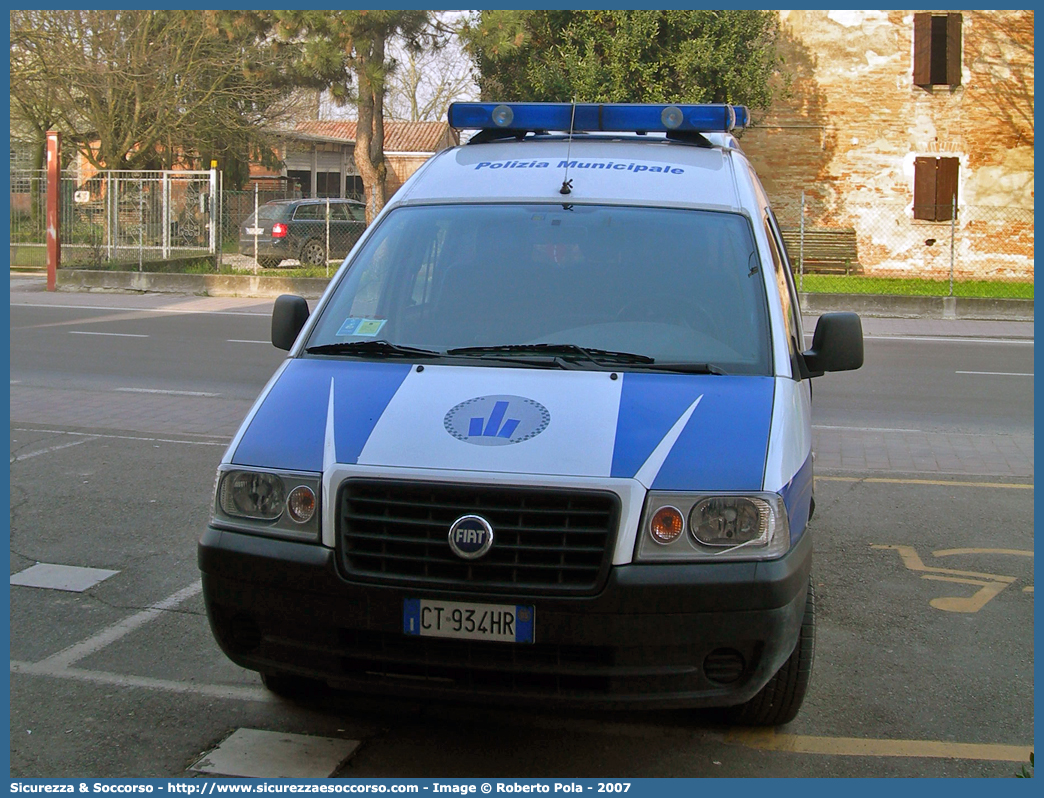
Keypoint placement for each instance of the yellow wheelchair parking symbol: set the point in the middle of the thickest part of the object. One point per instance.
(990, 585)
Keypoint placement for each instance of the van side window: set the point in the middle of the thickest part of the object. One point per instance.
(786, 296)
(788, 274)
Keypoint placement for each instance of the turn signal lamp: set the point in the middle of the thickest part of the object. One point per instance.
(300, 504)
(666, 525)
(605, 117)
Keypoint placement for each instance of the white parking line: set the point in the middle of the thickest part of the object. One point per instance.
(58, 665)
(998, 373)
(115, 335)
(38, 452)
(245, 341)
(864, 429)
(145, 682)
(142, 310)
(109, 635)
(222, 442)
(173, 393)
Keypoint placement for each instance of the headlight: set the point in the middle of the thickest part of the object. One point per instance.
(279, 504)
(246, 494)
(751, 526)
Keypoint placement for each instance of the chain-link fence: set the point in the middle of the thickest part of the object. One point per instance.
(118, 219)
(974, 250)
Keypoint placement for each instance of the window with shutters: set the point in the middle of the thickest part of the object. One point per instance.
(937, 49)
(935, 188)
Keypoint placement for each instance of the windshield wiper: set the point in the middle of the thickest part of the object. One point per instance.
(688, 368)
(565, 352)
(380, 348)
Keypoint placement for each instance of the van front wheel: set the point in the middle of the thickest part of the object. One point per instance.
(778, 701)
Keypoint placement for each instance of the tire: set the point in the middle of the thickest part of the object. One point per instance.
(778, 701)
(287, 685)
(313, 253)
(269, 263)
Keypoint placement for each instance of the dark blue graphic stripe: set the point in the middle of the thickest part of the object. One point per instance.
(650, 404)
(797, 496)
(289, 429)
(724, 444)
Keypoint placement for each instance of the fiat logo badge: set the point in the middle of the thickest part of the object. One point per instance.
(470, 537)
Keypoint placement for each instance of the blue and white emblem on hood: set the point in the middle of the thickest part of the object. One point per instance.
(497, 420)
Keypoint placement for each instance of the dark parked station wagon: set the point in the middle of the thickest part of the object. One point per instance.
(297, 229)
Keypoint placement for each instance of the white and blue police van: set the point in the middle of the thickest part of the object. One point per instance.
(546, 437)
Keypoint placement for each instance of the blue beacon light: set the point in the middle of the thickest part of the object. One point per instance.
(592, 117)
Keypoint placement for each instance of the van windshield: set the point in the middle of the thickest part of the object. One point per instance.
(671, 286)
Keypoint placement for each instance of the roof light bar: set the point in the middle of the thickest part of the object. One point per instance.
(589, 117)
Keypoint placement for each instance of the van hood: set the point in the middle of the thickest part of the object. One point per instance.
(668, 431)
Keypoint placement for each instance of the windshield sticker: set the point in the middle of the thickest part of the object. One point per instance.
(364, 327)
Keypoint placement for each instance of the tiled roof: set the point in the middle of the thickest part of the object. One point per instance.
(398, 136)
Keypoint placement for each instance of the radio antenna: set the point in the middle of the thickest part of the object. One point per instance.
(567, 184)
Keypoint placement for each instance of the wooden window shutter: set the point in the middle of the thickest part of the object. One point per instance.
(945, 187)
(953, 49)
(922, 50)
(924, 189)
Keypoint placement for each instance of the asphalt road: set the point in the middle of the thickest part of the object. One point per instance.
(939, 383)
(121, 407)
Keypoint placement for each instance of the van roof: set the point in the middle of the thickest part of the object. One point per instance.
(613, 169)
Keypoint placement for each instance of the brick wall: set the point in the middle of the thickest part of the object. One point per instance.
(854, 121)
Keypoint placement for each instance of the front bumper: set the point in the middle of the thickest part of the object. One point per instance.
(677, 635)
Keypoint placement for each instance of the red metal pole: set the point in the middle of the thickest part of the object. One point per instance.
(54, 176)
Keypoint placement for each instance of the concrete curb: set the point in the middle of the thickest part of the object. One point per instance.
(246, 285)
(920, 307)
(228, 285)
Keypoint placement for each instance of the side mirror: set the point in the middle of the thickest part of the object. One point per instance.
(288, 317)
(837, 344)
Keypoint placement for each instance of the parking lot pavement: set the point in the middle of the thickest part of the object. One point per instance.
(913, 451)
(129, 413)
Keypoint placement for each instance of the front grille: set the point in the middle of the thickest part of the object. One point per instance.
(546, 541)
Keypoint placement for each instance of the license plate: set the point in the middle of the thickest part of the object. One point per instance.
(507, 623)
(255, 231)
